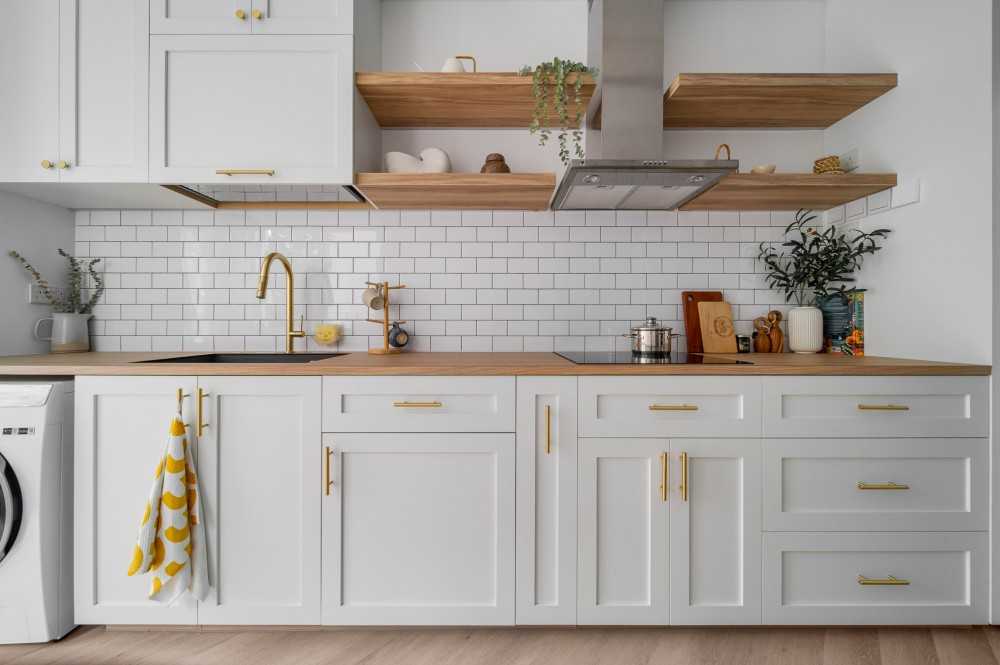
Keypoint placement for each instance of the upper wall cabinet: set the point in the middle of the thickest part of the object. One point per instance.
(239, 17)
(251, 109)
(74, 80)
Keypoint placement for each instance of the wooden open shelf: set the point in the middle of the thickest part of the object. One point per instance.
(769, 100)
(490, 191)
(426, 99)
(791, 191)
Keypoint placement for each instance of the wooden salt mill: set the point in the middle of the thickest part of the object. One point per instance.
(775, 334)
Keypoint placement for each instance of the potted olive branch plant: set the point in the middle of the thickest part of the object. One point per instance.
(70, 311)
(815, 267)
(550, 85)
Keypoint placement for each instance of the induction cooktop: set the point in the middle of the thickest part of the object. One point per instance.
(628, 358)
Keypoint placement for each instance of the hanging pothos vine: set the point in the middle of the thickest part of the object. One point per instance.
(549, 88)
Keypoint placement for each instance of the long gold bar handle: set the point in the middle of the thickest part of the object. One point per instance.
(201, 412)
(327, 479)
(888, 581)
(418, 405)
(181, 396)
(883, 407)
(548, 429)
(664, 474)
(673, 407)
(684, 476)
(862, 485)
(268, 172)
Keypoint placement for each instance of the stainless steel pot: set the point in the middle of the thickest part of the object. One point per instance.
(651, 339)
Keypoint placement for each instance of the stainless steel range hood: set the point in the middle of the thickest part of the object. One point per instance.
(624, 168)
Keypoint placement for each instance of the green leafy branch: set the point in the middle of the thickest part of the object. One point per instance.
(550, 89)
(73, 302)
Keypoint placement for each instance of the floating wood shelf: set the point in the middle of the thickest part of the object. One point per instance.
(791, 191)
(491, 191)
(484, 99)
(769, 100)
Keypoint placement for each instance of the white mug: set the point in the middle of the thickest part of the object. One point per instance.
(373, 298)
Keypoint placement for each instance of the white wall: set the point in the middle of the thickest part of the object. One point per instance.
(35, 230)
(931, 288)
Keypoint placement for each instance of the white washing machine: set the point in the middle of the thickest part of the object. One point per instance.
(36, 512)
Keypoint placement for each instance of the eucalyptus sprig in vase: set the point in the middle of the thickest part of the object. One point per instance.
(71, 308)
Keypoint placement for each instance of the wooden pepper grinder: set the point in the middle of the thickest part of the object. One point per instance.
(776, 335)
(495, 163)
(761, 337)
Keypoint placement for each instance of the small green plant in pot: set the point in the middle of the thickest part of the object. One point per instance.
(70, 308)
(812, 266)
(550, 86)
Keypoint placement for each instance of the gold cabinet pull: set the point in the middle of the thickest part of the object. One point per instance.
(883, 407)
(418, 405)
(327, 477)
(230, 172)
(862, 485)
(241, 14)
(181, 396)
(548, 429)
(673, 407)
(684, 476)
(47, 164)
(888, 581)
(62, 164)
(257, 14)
(664, 474)
(201, 412)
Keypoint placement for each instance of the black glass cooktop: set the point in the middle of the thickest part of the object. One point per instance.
(628, 358)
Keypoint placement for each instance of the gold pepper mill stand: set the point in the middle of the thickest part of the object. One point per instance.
(385, 289)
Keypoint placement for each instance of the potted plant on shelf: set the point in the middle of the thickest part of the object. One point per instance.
(550, 87)
(815, 267)
(70, 312)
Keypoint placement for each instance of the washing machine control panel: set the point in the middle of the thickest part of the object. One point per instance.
(16, 431)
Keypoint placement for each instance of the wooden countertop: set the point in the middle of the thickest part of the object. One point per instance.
(475, 364)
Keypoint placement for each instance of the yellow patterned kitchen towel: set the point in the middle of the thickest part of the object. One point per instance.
(171, 543)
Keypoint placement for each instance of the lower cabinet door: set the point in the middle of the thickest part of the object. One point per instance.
(546, 500)
(260, 470)
(876, 578)
(418, 529)
(622, 565)
(715, 518)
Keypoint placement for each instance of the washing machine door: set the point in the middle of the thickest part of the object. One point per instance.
(10, 507)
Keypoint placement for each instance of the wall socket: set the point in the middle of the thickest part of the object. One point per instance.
(850, 160)
(35, 296)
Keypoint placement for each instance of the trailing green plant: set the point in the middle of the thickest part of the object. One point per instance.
(549, 88)
(816, 264)
(72, 302)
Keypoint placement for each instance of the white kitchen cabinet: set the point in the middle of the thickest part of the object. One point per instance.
(546, 500)
(715, 532)
(623, 556)
(74, 76)
(418, 529)
(121, 431)
(260, 465)
(251, 109)
(229, 17)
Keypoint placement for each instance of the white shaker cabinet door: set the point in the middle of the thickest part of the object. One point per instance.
(251, 109)
(260, 465)
(418, 529)
(303, 17)
(546, 500)
(103, 91)
(200, 17)
(29, 91)
(122, 424)
(622, 566)
(715, 541)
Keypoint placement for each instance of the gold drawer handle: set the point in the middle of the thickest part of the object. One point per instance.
(883, 407)
(327, 476)
(548, 429)
(664, 475)
(267, 172)
(684, 477)
(201, 412)
(882, 486)
(418, 405)
(888, 581)
(673, 407)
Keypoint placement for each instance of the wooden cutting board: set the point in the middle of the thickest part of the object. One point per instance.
(717, 332)
(692, 322)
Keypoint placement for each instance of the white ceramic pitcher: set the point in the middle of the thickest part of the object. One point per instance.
(70, 332)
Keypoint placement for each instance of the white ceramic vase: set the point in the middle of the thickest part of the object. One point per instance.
(431, 160)
(70, 332)
(805, 329)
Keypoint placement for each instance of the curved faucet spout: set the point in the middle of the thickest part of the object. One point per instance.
(265, 270)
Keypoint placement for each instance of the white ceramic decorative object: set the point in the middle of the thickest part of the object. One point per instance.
(70, 332)
(455, 66)
(805, 329)
(763, 169)
(431, 160)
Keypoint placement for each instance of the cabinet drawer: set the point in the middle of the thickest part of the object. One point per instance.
(876, 485)
(670, 406)
(418, 404)
(875, 406)
(866, 578)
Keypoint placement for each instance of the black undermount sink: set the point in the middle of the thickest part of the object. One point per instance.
(249, 358)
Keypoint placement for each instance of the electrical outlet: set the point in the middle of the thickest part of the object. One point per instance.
(850, 160)
(36, 297)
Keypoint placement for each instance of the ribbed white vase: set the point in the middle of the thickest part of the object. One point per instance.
(805, 329)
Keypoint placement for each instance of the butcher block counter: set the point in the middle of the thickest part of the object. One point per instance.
(475, 364)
